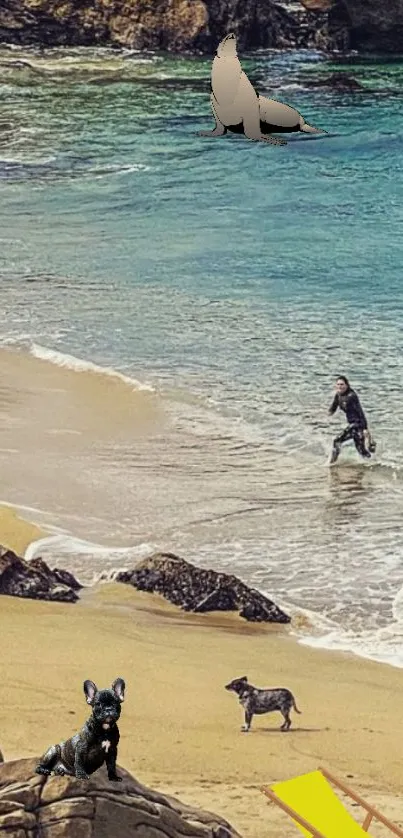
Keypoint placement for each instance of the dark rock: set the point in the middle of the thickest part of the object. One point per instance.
(362, 25)
(34, 580)
(66, 578)
(63, 807)
(198, 590)
(1, 756)
(198, 25)
(174, 25)
(367, 25)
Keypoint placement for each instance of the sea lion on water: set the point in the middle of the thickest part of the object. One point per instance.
(237, 107)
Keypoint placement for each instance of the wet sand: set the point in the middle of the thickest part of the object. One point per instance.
(61, 434)
(17, 533)
(180, 729)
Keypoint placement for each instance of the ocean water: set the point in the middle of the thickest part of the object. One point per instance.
(215, 288)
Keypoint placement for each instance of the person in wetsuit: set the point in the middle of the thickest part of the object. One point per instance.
(346, 399)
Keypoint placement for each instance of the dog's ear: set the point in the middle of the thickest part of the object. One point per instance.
(119, 687)
(244, 678)
(90, 690)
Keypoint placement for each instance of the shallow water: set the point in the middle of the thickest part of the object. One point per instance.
(237, 281)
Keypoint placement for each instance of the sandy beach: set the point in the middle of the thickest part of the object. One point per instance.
(180, 730)
(175, 313)
(15, 532)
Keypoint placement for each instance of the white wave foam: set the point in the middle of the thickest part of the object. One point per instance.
(64, 543)
(79, 365)
(91, 562)
(383, 645)
(117, 169)
(22, 160)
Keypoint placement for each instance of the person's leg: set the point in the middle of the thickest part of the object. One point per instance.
(338, 442)
(369, 442)
(359, 442)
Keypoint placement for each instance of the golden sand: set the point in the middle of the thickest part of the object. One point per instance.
(15, 532)
(180, 729)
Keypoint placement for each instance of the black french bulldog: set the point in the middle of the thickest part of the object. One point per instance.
(97, 741)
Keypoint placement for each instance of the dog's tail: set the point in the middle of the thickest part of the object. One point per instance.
(295, 707)
(309, 129)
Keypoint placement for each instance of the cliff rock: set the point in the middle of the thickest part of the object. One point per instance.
(362, 25)
(175, 25)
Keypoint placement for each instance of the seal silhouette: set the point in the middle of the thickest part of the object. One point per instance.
(238, 108)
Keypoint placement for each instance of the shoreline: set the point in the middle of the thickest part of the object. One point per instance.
(180, 729)
(17, 533)
(20, 534)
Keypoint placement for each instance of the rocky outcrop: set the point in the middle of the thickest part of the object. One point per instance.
(63, 807)
(362, 25)
(198, 25)
(63, 577)
(371, 25)
(198, 590)
(175, 25)
(35, 580)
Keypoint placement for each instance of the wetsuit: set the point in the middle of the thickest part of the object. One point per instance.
(349, 403)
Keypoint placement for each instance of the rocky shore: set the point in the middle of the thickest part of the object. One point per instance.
(198, 25)
(58, 808)
(180, 582)
(199, 590)
(180, 728)
(35, 580)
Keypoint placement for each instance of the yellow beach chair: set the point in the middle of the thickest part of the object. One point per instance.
(318, 812)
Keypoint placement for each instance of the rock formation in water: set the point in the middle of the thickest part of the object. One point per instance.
(63, 807)
(174, 25)
(35, 580)
(198, 590)
(198, 25)
(362, 25)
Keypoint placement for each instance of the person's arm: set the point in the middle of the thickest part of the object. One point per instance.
(334, 405)
(357, 411)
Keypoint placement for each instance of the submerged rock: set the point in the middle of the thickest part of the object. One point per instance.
(31, 804)
(35, 580)
(337, 81)
(198, 590)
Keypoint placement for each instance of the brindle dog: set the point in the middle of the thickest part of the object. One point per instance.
(256, 701)
(96, 742)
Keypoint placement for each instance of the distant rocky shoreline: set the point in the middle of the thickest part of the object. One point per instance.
(196, 26)
(183, 584)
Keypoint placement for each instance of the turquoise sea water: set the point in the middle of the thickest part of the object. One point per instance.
(238, 280)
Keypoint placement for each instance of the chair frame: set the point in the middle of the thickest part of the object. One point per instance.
(372, 814)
